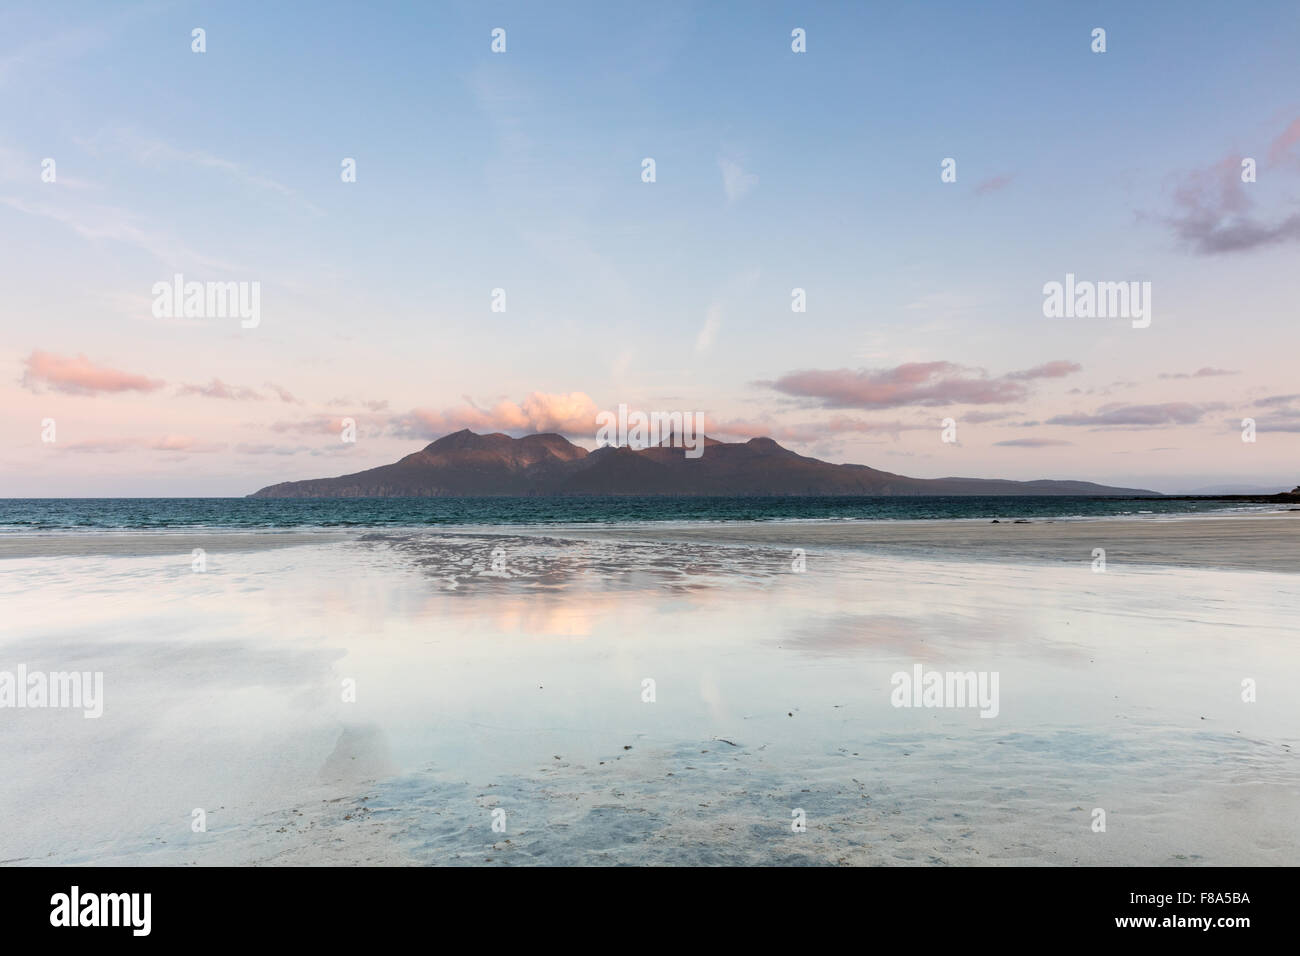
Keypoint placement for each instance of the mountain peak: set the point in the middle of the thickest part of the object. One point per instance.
(768, 446)
(465, 439)
(673, 440)
(498, 446)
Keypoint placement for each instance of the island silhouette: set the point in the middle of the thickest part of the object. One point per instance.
(466, 464)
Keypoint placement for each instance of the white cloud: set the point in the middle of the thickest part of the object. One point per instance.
(712, 322)
(736, 182)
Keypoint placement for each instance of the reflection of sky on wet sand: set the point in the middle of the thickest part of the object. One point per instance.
(223, 689)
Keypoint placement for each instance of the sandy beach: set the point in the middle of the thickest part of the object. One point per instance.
(388, 696)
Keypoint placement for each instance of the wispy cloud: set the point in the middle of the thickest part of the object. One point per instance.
(153, 152)
(49, 52)
(374, 405)
(709, 330)
(993, 184)
(736, 181)
(95, 222)
(1206, 372)
(980, 418)
(169, 443)
(219, 389)
(1057, 369)
(315, 425)
(1032, 443)
(1283, 414)
(1277, 400)
(283, 393)
(1146, 416)
(1282, 151)
(914, 383)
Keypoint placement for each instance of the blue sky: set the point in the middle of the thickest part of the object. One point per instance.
(521, 171)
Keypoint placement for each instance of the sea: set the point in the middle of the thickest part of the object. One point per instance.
(18, 515)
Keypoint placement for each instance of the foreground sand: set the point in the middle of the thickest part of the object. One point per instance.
(520, 688)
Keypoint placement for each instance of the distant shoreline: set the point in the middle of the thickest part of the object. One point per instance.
(1280, 497)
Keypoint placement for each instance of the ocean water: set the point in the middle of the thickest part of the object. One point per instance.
(67, 514)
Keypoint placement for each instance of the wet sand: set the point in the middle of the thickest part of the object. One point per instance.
(1259, 542)
(127, 543)
(504, 670)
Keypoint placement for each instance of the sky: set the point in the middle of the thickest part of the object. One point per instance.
(518, 178)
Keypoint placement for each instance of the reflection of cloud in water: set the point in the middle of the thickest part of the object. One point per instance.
(504, 563)
(543, 617)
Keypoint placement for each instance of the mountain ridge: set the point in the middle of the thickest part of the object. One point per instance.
(467, 464)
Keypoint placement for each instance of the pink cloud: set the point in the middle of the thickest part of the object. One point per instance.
(110, 446)
(571, 414)
(172, 443)
(1057, 369)
(1278, 400)
(1284, 417)
(1215, 209)
(915, 383)
(993, 184)
(979, 418)
(240, 393)
(219, 389)
(79, 376)
(1032, 443)
(374, 406)
(283, 393)
(317, 425)
(1280, 150)
(1206, 372)
(1168, 413)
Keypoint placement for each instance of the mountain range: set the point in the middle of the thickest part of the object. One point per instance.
(471, 465)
